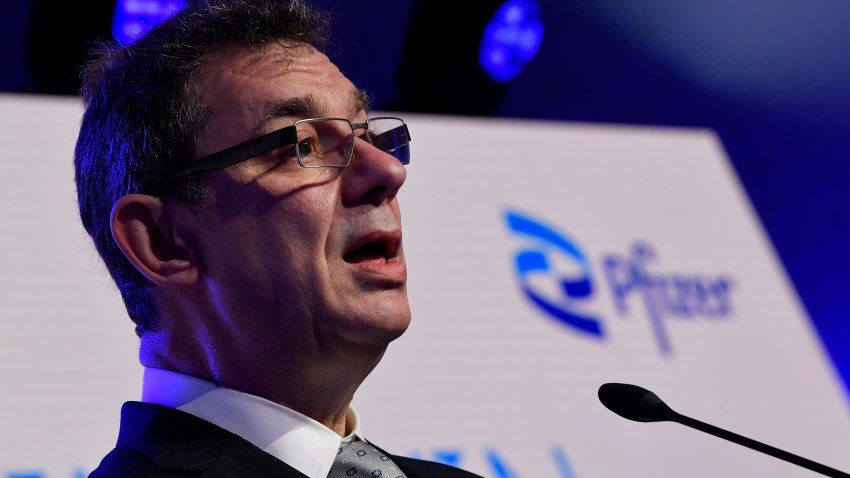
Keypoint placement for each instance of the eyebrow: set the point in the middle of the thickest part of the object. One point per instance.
(309, 106)
(360, 100)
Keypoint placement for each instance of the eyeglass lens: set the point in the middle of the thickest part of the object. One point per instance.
(390, 135)
(330, 141)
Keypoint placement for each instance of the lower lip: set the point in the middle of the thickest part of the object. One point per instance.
(393, 269)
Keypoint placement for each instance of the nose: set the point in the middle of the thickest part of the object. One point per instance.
(372, 177)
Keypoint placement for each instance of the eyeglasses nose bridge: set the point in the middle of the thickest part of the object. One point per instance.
(364, 127)
(353, 144)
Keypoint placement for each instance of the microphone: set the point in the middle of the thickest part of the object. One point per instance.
(641, 405)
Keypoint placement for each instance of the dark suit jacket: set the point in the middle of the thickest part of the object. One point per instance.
(162, 442)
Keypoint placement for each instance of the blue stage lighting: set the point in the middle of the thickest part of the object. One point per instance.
(511, 39)
(133, 18)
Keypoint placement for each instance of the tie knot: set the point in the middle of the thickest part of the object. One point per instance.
(359, 459)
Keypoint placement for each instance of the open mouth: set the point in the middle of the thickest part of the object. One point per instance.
(382, 248)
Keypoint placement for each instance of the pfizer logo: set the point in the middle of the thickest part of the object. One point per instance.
(554, 274)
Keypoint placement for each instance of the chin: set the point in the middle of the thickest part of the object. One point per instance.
(374, 326)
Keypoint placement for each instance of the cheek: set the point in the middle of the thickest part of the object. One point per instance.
(299, 231)
(275, 220)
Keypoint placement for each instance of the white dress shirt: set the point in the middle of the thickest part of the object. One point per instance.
(296, 439)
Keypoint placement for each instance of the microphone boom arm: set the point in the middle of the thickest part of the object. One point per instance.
(758, 446)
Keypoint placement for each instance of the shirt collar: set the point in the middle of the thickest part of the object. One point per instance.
(296, 439)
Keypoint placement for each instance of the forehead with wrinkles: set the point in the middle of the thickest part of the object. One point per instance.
(236, 72)
(252, 90)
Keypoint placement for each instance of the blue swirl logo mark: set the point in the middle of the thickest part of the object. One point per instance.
(558, 293)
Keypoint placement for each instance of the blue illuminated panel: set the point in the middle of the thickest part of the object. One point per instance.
(511, 39)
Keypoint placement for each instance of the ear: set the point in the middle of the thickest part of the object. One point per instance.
(141, 228)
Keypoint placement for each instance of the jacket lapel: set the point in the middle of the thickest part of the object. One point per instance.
(180, 441)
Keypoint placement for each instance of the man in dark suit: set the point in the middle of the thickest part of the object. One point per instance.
(245, 205)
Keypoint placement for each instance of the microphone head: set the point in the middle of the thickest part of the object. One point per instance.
(634, 403)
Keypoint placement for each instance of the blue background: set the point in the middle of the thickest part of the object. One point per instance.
(772, 78)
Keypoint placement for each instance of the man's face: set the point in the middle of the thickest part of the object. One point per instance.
(296, 258)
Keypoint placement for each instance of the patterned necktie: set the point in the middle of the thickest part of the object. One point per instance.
(359, 459)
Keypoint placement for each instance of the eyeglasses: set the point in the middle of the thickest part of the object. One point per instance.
(319, 143)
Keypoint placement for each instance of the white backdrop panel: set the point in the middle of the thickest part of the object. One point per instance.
(484, 377)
